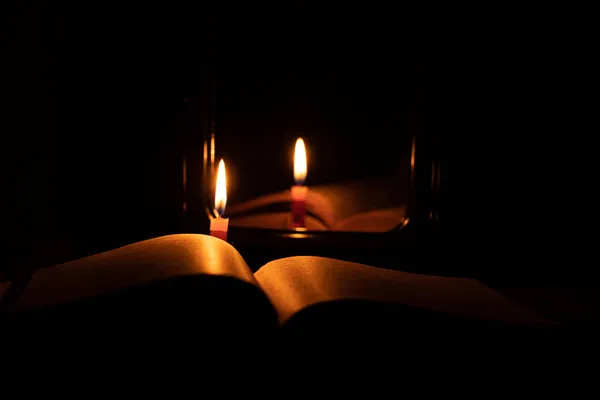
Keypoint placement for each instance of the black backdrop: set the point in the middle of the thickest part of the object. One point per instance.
(91, 157)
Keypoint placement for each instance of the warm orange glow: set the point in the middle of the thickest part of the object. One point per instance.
(300, 162)
(221, 190)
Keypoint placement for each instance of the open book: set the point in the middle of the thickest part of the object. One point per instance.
(195, 288)
(354, 206)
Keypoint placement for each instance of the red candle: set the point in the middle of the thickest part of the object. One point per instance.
(299, 192)
(220, 225)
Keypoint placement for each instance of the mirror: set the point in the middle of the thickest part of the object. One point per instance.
(357, 126)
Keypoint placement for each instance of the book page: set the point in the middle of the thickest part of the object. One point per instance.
(375, 221)
(295, 283)
(332, 204)
(136, 264)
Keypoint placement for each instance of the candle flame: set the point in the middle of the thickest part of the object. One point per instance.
(221, 190)
(300, 162)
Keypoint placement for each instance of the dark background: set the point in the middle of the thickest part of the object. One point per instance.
(91, 151)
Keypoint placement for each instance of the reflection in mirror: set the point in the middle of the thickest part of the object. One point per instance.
(299, 192)
(315, 149)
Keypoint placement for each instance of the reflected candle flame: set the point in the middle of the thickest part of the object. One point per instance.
(221, 189)
(300, 162)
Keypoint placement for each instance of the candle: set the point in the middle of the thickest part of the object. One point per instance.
(299, 192)
(220, 225)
